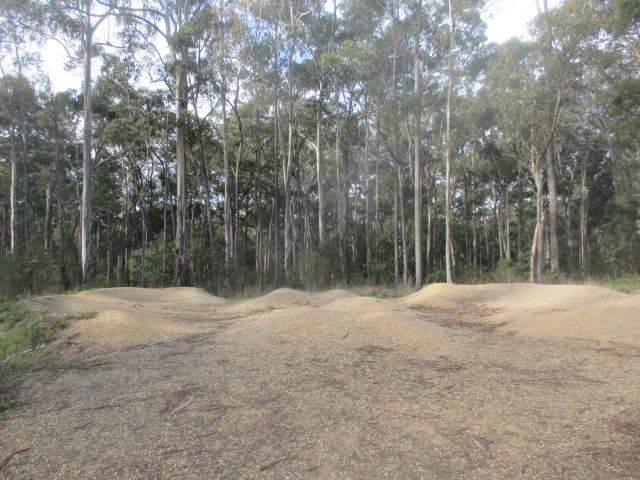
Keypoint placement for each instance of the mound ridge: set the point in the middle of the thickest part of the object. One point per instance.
(546, 311)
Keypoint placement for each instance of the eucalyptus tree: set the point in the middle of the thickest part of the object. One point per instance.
(176, 24)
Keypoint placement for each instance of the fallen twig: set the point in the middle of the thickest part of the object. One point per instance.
(82, 426)
(10, 456)
(276, 462)
(427, 417)
(102, 407)
(608, 467)
(180, 407)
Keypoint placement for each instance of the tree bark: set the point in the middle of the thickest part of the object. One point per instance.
(448, 234)
(320, 169)
(417, 150)
(85, 235)
(181, 172)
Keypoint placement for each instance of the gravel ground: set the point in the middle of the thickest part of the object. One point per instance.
(487, 382)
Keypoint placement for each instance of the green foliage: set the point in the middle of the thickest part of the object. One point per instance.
(11, 312)
(507, 272)
(616, 252)
(19, 276)
(438, 276)
(158, 264)
(314, 270)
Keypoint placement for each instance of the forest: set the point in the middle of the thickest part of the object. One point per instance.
(255, 144)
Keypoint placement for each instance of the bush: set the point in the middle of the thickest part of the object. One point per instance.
(507, 272)
(154, 273)
(314, 270)
(439, 276)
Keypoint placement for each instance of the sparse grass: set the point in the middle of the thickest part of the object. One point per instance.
(397, 291)
(267, 308)
(87, 315)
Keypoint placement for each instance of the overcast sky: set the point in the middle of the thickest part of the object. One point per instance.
(509, 18)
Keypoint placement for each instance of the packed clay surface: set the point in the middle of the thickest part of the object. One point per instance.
(453, 382)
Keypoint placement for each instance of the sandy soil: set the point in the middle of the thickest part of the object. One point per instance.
(453, 382)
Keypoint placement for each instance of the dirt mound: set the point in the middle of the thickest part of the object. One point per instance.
(177, 298)
(278, 299)
(123, 317)
(284, 298)
(119, 329)
(550, 311)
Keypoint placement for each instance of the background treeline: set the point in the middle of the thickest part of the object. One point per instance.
(299, 143)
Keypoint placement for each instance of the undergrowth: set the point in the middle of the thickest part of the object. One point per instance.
(627, 283)
(24, 337)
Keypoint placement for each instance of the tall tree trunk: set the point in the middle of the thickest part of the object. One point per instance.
(320, 169)
(417, 145)
(396, 247)
(48, 221)
(467, 221)
(228, 202)
(367, 226)
(552, 184)
(288, 209)
(448, 233)
(181, 278)
(520, 221)
(403, 229)
(537, 250)
(64, 275)
(13, 221)
(584, 211)
(275, 223)
(85, 235)
(430, 195)
(258, 201)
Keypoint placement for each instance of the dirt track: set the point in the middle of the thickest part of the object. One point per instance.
(483, 382)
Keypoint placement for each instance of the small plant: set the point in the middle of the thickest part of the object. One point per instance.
(88, 314)
(9, 405)
(267, 308)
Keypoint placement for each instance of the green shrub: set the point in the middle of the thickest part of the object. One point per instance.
(158, 270)
(507, 272)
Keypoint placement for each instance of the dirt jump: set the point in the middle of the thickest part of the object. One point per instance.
(512, 381)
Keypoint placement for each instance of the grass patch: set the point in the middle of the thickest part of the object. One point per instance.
(87, 315)
(24, 337)
(11, 312)
(397, 291)
(629, 283)
(10, 405)
(268, 308)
